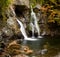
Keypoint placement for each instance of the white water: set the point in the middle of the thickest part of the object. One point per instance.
(22, 29)
(33, 16)
(32, 30)
(24, 32)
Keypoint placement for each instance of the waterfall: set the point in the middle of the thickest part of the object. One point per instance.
(35, 23)
(31, 24)
(22, 29)
(24, 32)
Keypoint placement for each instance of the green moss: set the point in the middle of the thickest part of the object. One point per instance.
(4, 5)
(34, 2)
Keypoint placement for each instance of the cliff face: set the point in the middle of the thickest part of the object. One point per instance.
(22, 2)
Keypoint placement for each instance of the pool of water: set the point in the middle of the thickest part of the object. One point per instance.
(52, 44)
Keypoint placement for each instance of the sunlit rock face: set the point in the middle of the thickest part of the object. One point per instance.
(22, 2)
(13, 25)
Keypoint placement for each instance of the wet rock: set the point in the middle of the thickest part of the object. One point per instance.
(26, 50)
(44, 51)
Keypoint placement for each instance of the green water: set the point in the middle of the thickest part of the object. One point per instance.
(51, 43)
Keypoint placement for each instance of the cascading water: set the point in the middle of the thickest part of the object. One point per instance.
(24, 32)
(22, 29)
(35, 23)
(32, 30)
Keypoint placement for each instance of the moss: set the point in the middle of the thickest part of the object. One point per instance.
(4, 5)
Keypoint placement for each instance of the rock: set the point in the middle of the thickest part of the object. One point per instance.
(13, 25)
(21, 55)
(58, 55)
(11, 22)
(43, 51)
(12, 43)
(38, 6)
(0, 33)
(14, 48)
(1, 36)
(22, 2)
(26, 50)
(7, 31)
